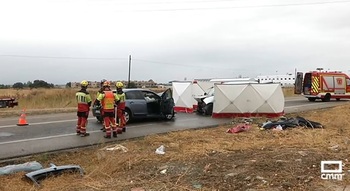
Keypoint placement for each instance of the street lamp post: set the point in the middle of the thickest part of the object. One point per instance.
(129, 71)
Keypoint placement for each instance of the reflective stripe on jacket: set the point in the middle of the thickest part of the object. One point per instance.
(121, 104)
(108, 100)
(83, 100)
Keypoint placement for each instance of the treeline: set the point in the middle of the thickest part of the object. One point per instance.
(29, 84)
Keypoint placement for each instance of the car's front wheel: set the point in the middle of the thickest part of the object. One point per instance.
(128, 115)
(170, 116)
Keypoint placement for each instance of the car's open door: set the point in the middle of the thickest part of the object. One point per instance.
(167, 103)
(298, 85)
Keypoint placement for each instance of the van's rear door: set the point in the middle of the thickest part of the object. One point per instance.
(298, 85)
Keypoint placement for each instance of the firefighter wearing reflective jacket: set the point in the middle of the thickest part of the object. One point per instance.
(121, 107)
(100, 91)
(84, 102)
(108, 99)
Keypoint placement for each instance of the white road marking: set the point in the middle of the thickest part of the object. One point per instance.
(62, 135)
(68, 120)
(42, 123)
(305, 105)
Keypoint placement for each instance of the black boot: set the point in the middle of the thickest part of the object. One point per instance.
(107, 136)
(124, 129)
(115, 134)
(84, 134)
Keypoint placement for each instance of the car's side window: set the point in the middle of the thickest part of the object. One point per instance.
(133, 95)
(150, 96)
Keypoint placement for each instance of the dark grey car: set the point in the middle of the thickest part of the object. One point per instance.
(143, 103)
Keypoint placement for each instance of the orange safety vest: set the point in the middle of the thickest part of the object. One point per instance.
(108, 101)
(121, 104)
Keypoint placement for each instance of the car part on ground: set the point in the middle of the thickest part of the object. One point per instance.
(25, 167)
(38, 175)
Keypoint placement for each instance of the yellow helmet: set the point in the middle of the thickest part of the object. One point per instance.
(84, 83)
(119, 85)
(107, 84)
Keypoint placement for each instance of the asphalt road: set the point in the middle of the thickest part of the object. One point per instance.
(54, 132)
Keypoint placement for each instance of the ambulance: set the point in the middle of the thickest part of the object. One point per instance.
(323, 85)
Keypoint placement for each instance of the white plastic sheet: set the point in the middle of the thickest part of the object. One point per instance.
(246, 100)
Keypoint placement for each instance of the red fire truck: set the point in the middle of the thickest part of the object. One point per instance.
(323, 85)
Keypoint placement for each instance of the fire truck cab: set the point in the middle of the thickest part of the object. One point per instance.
(323, 85)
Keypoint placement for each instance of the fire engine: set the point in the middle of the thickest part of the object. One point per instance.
(323, 85)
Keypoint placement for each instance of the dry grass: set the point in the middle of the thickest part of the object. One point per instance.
(210, 159)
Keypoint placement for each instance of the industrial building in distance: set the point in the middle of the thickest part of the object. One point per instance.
(138, 84)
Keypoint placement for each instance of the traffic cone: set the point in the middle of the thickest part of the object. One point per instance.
(22, 119)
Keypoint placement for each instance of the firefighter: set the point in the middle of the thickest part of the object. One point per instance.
(101, 112)
(108, 99)
(121, 108)
(84, 102)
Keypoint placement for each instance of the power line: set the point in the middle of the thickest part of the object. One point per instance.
(62, 57)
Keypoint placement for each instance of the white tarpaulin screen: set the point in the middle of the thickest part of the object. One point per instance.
(247, 100)
(182, 94)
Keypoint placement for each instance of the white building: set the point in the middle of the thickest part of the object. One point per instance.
(286, 80)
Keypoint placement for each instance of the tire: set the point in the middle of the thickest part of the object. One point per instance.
(128, 115)
(327, 98)
(311, 99)
(209, 109)
(170, 116)
(99, 119)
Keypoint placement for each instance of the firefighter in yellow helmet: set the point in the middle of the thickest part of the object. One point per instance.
(108, 99)
(121, 108)
(84, 102)
(100, 91)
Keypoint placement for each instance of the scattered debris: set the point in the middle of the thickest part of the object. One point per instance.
(284, 123)
(196, 185)
(137, 189)
(38, 175)
(160, 150)
(239, 128)
(26, 167)
(334, 148)
(116, 147)
(302, 153)
(163, 171)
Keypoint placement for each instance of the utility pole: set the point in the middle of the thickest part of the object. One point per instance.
(129, 71)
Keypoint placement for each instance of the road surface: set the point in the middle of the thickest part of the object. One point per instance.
(54, 132)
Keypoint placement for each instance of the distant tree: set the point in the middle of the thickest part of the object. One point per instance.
(3, 86)
(18, 85)
(132, 85)
(28, 84)
(40, 84)
(69, 85)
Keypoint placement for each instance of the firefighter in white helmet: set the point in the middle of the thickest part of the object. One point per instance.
(121, 107)
(84, 102)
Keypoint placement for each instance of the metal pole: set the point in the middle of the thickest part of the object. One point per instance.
(129, 71)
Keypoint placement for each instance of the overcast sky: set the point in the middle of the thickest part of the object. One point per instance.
(71, 40)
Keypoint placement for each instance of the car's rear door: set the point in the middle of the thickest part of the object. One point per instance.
(167, 102)
(136, 102)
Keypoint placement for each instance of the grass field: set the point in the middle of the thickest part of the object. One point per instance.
(208, 159)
